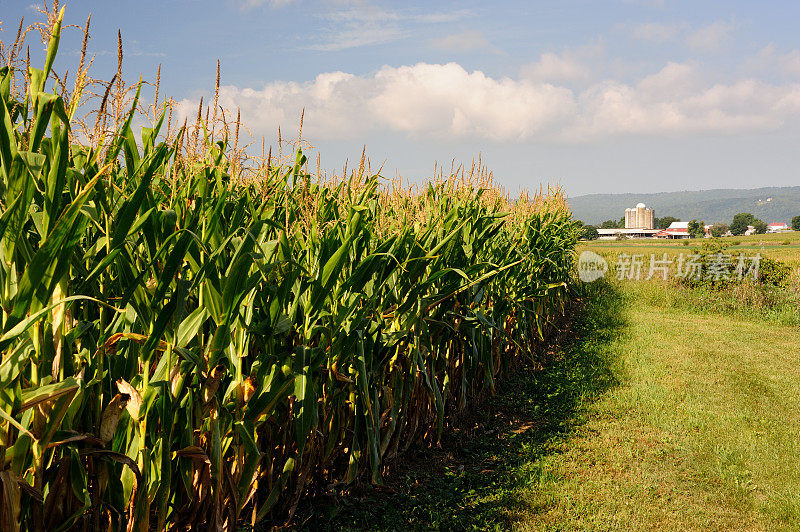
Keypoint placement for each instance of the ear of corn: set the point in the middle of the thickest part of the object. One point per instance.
(181, 348)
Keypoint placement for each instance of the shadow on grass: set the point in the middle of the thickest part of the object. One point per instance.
(476, 479)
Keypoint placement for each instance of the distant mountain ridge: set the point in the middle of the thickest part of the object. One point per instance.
(771, 204)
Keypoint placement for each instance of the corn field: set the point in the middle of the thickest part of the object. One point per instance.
(184, 349)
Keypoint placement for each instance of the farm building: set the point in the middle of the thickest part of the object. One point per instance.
(777, 227)
(675, 230)
(638, 224)
(612, 234)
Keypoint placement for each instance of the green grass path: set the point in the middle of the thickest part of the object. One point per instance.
(702, 432)
(649, 418)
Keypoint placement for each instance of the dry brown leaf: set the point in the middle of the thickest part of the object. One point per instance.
(110, 419)
(135, 401)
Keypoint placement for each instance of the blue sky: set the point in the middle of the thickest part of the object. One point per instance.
(615, 96)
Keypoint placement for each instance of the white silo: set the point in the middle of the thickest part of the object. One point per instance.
(639, 217)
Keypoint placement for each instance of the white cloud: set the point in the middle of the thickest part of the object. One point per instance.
(462, 42)
(612, 108)
(147, 54)
(674, 80)
(364, 11)
(552, 67)
(443, 100)
(360, 13)
(364, 24)
(361, 25)
(250, 4)
(712, 37)
(447, 101)
(709, 38)
(657, 32)
(648, 3)
(771, 61)
(355, 37)
(442, 17)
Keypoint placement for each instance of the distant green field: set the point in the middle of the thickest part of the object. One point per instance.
(780, 246)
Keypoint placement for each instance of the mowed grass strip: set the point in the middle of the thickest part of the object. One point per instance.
(701, 433)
